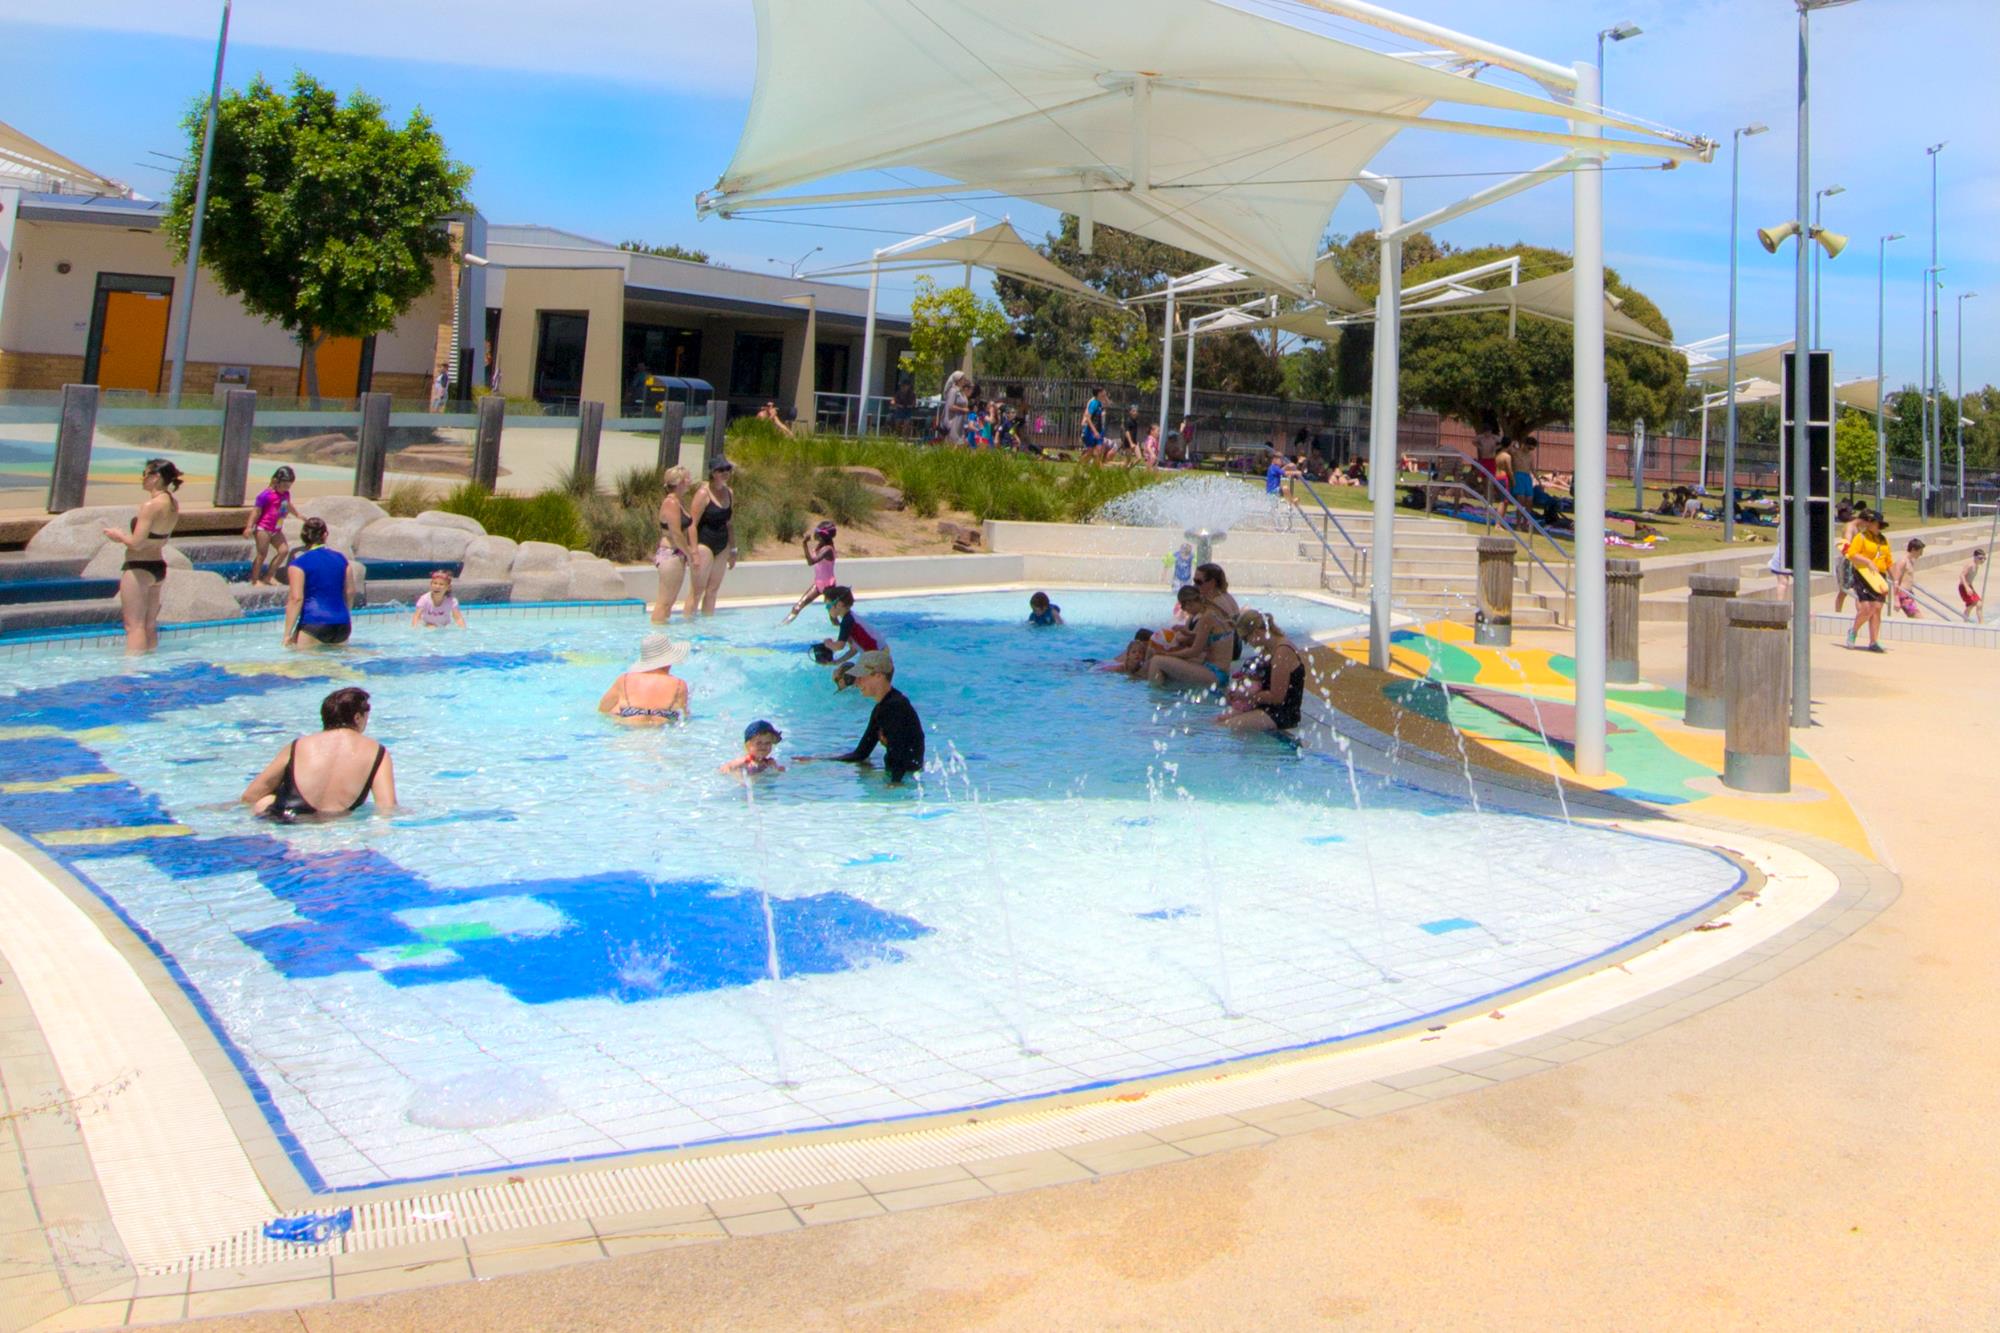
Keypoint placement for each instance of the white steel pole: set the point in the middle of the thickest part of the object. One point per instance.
(1167, 358)
(1187, 387)
(868, 337)
(1701, 476)
(184, 317)
(1384, 451)
(1881, 385)
(1729, 425)
(1937, 342)
(1590, 426)
(1924, 401)
(1958, 413)
(1799, 533)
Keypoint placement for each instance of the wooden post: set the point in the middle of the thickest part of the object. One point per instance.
(232, 462)
(673, 417)
(1708, 630)
(69, 475)
(718, 432)
(1757, 747)
(1494, 625)
(1621, 626)
(589, 431)
(486, 441)
(372, 456)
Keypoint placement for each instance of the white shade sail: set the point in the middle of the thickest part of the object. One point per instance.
(1765, 363)
(1551, 297)
(36, 166)
(998, 249)
(1190, 122)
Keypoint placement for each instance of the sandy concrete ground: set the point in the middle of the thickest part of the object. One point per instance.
(1819, 1153)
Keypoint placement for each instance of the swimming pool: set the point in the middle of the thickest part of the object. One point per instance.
(563, 946)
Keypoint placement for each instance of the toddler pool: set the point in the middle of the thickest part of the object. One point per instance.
(563, 945)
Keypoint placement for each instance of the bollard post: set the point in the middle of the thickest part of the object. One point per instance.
(232, 461)
(718, 433)
(486, 441)
(589, 431)
(1494, 626)
(371, 456)
(69, 475)
(673, 419)
(1621, 626)
(1709, 596)
(1757, 747)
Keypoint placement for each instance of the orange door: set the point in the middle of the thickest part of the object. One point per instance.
(339, 369)
(133, 341)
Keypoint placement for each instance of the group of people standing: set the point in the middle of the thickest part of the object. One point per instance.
(697, 539)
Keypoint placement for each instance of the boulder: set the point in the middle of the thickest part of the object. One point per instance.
(587, 580)
(345, 517)
(959, 534)
(870, 475)
(437, 518)
(542, 585)
(409, 539)
(108, 561)
(887, 496)
(196, 594)
(79, 534)
(540, 557)
(490, 559)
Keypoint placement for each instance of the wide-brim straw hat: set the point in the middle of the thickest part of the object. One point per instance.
(657, 651)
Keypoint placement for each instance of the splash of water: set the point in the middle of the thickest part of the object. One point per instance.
(641, 967)
(1199, 500)
(956, 765)
(780, 1049)
(1224, 992)
(1436, 676)
(1367, 854)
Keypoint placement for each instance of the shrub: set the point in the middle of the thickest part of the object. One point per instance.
(626, 535)
(640, 488)
(548, 517)
(843, 497)
(573, 483)
(407, 499)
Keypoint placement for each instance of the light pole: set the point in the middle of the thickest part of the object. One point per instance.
(1617, 32)
(184, 318)
(1729, 437)
(796, 264)
(1930, 482)
(1881, 388)
(1959, 407)
(1819, 198)
(1934, 368)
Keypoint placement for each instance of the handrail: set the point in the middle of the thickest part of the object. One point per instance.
(1326, 546)
(1925, 597)
(1534, 523)
(1526, 546)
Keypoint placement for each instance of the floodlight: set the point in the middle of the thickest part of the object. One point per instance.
(1756, 127)
(1621, 31)
(1832, 190)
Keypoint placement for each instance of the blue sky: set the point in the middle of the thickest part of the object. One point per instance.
(607, 117)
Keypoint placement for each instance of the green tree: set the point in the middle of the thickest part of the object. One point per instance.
(669, 251)
(1466, 366)
(943, 321)
(1905, 425)
(1853, 448)
(323, 218)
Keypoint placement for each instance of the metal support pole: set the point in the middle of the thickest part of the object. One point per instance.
(1729, 427)
(1167, 358)
(1924, 399)
(1881, 385)
(1937, 342)
(868, 338)
(1701, 471)
(1799, 532)
(1187, 385)
(184, 317)
(1590, 425)
(1958, 509)
(1383, 450)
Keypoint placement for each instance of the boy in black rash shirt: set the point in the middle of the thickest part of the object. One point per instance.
(894, 724)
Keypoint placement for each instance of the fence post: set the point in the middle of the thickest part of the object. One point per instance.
(718, 432)
(1622, 622)
(589, 431)
(672, 429)
(1757, 744)
(232, 461)
(69, 475)
(372, 454)
(1708, 630)
(486, 441)
(1494, 625)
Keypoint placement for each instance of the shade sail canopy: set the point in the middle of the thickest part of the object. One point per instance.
(1331, 290)
(1765, 363)
(35, 166)
(1190, 122)
(1747, 391)
(1551, 297)
(998, 249)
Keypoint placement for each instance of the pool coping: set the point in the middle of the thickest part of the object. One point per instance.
(562, 1215)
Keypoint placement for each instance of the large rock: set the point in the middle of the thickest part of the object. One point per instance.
(79, 534)
(587, 580)
(196, 594)
(437, 518)
(540, 558)
(490, 559)
(886, 496)
(872, 476)
(107, 562)
(408, 539)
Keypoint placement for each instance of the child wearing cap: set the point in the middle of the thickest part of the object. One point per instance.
(759, 739)
(818, 548)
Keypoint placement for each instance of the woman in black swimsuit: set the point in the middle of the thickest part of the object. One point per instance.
(676, 553)
(332, 773)
(143, 578)
(715, 538)
(1276, 702)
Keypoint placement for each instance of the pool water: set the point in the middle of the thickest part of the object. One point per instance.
(576, 939)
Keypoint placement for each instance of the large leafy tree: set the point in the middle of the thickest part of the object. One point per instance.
(943, 321)
(1854, 448)
(1466, 366)
(322, 217)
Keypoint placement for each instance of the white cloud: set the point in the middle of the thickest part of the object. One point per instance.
(705, 46)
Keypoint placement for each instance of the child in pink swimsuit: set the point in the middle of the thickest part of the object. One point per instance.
(266, 527)
(818, 548)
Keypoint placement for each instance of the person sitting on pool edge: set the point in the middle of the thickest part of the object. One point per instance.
(1277, 682)
(1203, 658)
(894, 725)
(332, 773)
(648, 694)
(759, 739)
(850, 636)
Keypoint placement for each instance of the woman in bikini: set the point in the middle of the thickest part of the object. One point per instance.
(715, 538)
(333, 773)
(1202, 659)
(1277, 692)
(676, 552)
(649, 694)
(144, 575)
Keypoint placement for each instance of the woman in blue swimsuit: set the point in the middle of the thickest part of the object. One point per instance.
(1202, 659)
(650, 694)
(316, 605)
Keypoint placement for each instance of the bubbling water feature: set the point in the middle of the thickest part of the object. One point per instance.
(1202, 502)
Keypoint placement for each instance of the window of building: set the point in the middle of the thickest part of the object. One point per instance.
(756, 366)
(561, 339)
(658, 349)
(830, 368)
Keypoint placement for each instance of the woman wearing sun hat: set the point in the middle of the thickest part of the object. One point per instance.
(649, 694)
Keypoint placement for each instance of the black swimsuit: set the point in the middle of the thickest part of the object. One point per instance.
(288, 804)
(1285, 716)
(156, 568)
(713, 529)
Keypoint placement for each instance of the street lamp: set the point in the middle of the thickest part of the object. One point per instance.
(184, 317)
(1959, 411)
(1617, 32)
(1934, 357)
(1881, 387)
(1930, 480)
(1736, 139)
(1819, 198)
(796, 264)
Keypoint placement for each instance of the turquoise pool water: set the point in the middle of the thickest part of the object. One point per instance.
(564, 944)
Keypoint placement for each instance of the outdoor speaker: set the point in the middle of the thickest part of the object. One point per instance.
(1773, 237)
(1830, 241)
